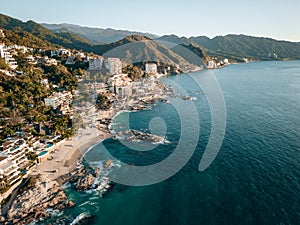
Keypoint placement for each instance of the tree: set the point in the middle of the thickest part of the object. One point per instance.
(3, 183)
(134, 72)
(32, 156)
(3, 65)
(103, 102)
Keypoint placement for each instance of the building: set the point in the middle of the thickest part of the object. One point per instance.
(45, 82)
(95, 64)
(59, 98)
(211, 64)
(60, 51)
(50, 61)
(1, 51)
(43, 156)
(113, 65)
(6, 55)
(16, 148)
(115, 82)
(2, 33)
(80, 55)
(8, 170)
(31, 60)
(71, 60)
(151, 68)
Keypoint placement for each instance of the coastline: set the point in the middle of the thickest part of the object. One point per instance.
(80, 151)
(67, 157)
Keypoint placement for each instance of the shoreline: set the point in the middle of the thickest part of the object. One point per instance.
(67, 156)
(80, 151)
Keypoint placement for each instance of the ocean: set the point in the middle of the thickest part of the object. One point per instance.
(255, 177)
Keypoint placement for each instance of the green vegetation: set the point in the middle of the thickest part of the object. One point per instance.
(242, 46)
(21, 37)
(94, 35)
(134, 72)
(68, 40)
(32, 156)
(103, 102)
(3, 184)
(2, 64)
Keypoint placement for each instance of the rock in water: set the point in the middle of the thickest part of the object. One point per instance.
(85, 183)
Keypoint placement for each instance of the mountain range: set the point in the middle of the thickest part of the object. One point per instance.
(100, 41)
(234, 47)
(97, 36)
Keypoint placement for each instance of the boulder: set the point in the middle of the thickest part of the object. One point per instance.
(85, 183)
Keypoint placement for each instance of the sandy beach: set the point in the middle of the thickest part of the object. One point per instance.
(66, 156)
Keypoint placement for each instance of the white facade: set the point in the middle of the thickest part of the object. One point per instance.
(2, 33)
(8, 169)
(2, 51)
(95, 64)
(114, 65)
(60, 51)
(151, 68)
(211, 64)
(59, 98)
(6, 55)
(226, 61)
(16, 149)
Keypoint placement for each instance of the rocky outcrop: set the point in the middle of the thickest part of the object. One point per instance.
(85, 183)
(33, 203)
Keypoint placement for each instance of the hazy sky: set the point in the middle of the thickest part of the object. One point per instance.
(278, 19)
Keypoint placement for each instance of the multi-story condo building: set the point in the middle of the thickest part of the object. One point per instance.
(95, 64)
(151, 68)
(114, 65)
(9, 170)
(59, 98)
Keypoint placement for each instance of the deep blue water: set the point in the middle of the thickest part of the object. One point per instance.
(255, 178)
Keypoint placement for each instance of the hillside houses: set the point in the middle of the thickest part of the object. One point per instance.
(57, 99)
(7, 56)
(60, 51)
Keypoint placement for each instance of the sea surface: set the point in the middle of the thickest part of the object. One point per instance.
(255, 178)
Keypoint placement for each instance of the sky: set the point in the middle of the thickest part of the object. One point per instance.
(277, 19)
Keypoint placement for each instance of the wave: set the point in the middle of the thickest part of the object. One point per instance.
(79, 218)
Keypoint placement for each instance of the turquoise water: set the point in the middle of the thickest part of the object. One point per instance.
(255, 179)
(49, 146)
(43, 153)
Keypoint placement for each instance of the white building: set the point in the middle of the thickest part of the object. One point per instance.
(16, 149)
(45, 82)
(2, 33)
(59, 98)
(211, 64)
(60, 51)
(9, 60)
(117, 82)
(2, 51)
(95, 64)
(151, 68)
(31, 60)
(50, 62)
(8, 169)
(114, 65)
